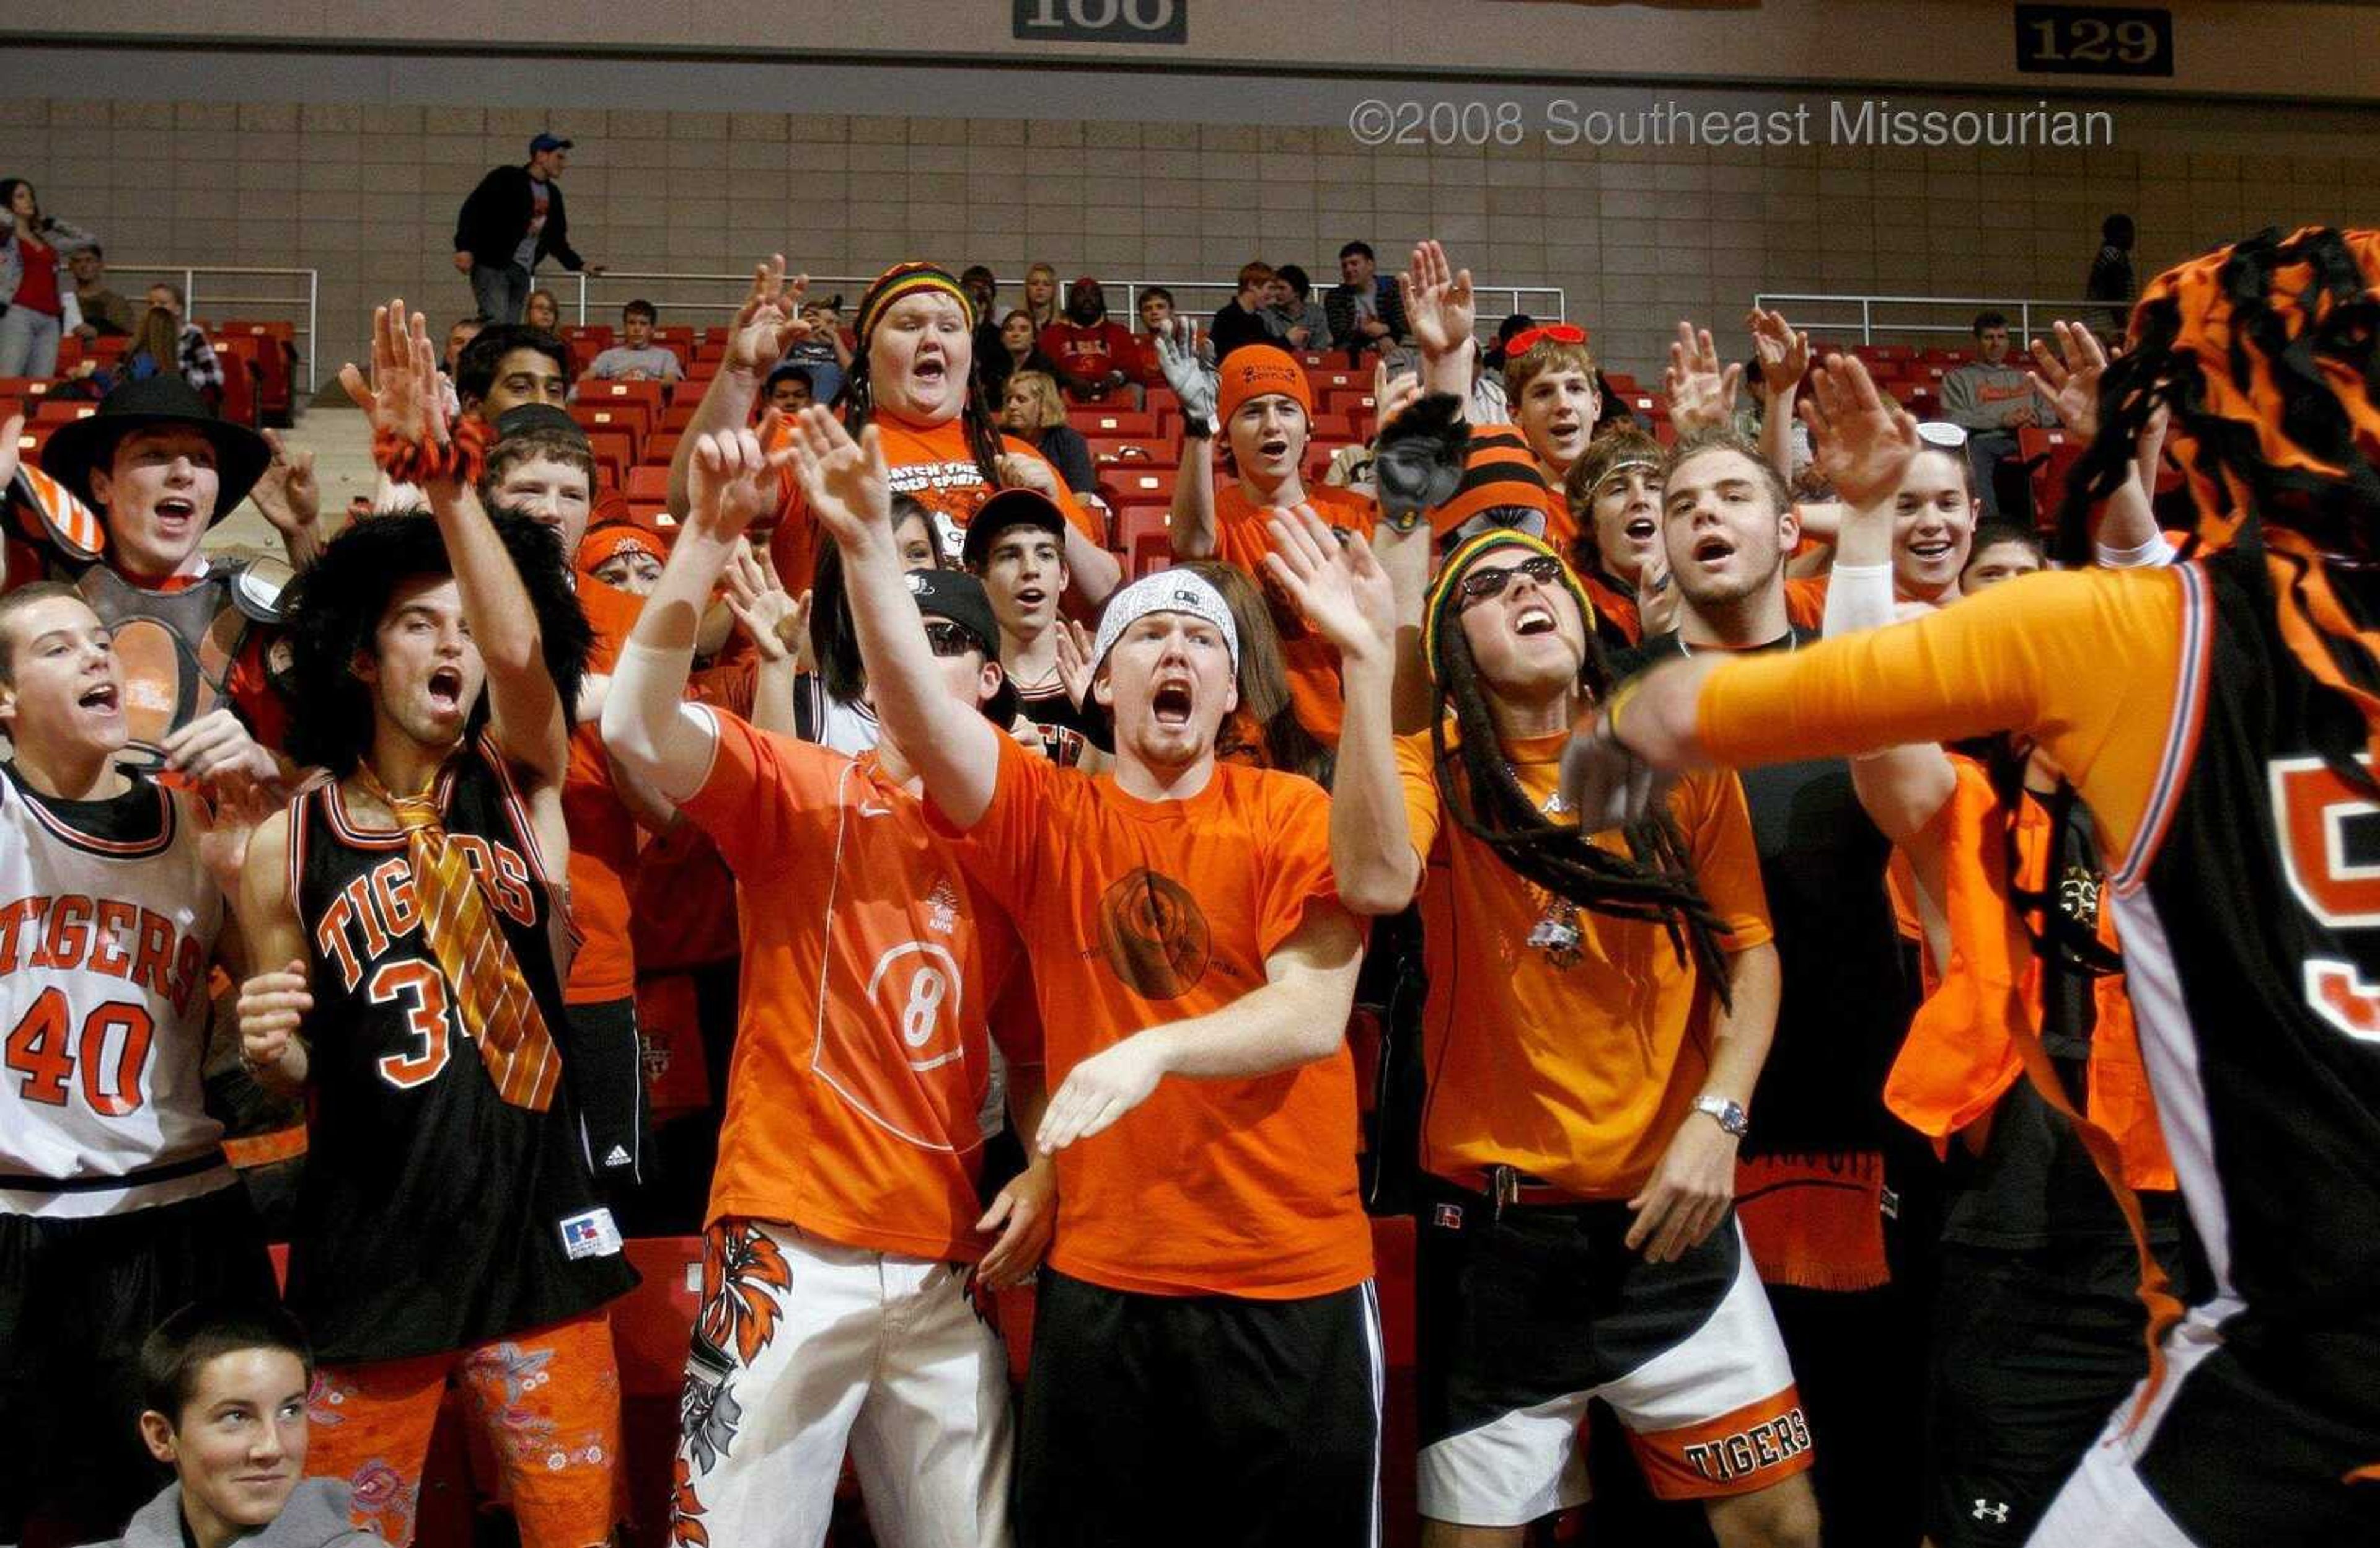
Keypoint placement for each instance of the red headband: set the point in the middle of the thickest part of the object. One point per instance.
(1528, 339)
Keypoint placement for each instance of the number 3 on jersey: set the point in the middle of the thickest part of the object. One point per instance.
(425, 1017)
(2337, 881)
(111, 1049)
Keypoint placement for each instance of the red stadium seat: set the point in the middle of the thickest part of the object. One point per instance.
(632, 419)
(1128, 484)
(648, 481)
(679, 414)
(27, 390)
(597, 333)
(660, 446)
(2048, 455)
(613, 450)
(242, 396)
(64, 411)
(1133, 452)
(1114, 423)
(652, 394)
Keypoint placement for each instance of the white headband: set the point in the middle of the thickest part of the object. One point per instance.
(1174, 590)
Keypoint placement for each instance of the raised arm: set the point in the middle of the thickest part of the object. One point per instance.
(1784, 361)
(1701, 392)
(1347, 597)
(1441, 310)
(765, 327)
(1191, 522)
(2126, 536)
(850, 491)
(647, 724)
(525, 712)
(1865, 443)
(1297, 1015)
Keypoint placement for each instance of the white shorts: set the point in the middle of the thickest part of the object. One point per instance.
(805, 1349)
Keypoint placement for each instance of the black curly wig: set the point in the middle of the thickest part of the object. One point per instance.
(336, 607)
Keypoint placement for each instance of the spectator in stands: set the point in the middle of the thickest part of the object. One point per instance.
(540, 310)
(1032, 411)
(1364, 310)
(2111, 275)
(1297, 320)
(513, 222)
(1155, 309)
(1240, 321)
(823, 351)
(1016, 546)
(789, 389)
(509, 365)
(199, 366)
(625, 556)
(1041, 295)
(982, 287)
(1020, 350)
(105, 314)
(458, 338)
(33, 300)
(1991, 400)
(155, 350)
(1095, 356)
(638, 357)
(227, 1410)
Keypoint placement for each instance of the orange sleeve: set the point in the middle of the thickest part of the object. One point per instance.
(1420, 792)
(1015, 1020)
(1717, 823)
(755, 782)
(1805, 602)
(1297, 870)
(1002, 850)
(2087, 662)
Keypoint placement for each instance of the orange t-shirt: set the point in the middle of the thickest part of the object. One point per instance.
(932, 462)
(870, 965)
(1140, 913)
(1242, 540)
(1567, 1044)
(602, 832)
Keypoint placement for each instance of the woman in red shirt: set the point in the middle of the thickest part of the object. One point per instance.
(32, 302)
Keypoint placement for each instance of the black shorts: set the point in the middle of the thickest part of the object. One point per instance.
(76, 1296)
(2251, 1442)
(1156, 1420)
(1524, 1317)
(604, 1066)
(2032, 1351)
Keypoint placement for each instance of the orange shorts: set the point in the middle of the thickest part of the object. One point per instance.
(546, 1401)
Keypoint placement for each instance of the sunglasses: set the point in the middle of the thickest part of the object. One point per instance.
(1479, 586)
(948, 640)
(1552, 332)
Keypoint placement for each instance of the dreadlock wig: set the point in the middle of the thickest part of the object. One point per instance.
(859, 392)
(1653, 881)
(2267, 355)
(336, 607)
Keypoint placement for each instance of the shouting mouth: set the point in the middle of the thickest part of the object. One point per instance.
(446, 689)
(106, 697)
(1172, 704)
(1535, 619)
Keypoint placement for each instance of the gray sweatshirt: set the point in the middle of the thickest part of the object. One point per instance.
(315, 1516)
(1983, 397)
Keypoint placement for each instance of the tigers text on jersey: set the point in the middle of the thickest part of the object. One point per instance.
(108, 922)
(433, 1216)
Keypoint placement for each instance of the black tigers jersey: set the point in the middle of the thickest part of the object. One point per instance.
(434, 1214)
(2249, 911)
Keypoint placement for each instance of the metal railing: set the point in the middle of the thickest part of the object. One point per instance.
(308, 305)
(1872, 315)
(1188, 295)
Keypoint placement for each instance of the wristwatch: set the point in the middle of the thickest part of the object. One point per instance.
(1730, 1115)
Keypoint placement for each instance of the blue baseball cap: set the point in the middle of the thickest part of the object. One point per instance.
(549, 140)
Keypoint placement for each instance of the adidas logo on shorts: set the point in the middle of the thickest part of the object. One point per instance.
(619, 1156)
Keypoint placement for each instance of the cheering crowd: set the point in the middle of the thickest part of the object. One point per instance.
(1961, 1124)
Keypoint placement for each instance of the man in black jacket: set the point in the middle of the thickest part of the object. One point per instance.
(1366, 312)
(513, 221)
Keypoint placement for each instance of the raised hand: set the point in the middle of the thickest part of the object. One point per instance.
(1784, 354)
(288, 493)
(1193, 382)
(2072, 384)
(217, 746)
(1702, 395)
(1392, 395)
(732, 478)
(239, 803)
(1861, 441)
(1020, 472)
(1440, 307)
(1341, 588)
(401, 397)
(779, 625)
(770, 322)
(1075, 667)
(845, 481)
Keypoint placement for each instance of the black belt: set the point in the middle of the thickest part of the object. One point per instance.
(165, 1171)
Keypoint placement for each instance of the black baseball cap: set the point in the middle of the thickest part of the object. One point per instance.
(523, 417)
(958, 598)
(1013, 507)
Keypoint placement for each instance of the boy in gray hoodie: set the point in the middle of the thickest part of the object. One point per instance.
(227, 1391)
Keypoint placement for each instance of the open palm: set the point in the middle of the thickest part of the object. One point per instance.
(1440, 307)
(402, 396)
(1862, 441)
(845, 481)
(1337, 584)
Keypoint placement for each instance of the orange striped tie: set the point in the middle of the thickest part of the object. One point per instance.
(491, 999)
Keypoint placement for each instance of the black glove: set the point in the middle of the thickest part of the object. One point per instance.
(1418, 460)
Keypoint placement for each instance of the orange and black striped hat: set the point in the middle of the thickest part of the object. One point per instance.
(1499, 473)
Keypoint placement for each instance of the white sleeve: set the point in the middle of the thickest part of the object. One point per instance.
(650, 728)
(1859, 597)
(2152, 554)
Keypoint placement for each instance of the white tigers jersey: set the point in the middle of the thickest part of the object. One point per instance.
(108, 924)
